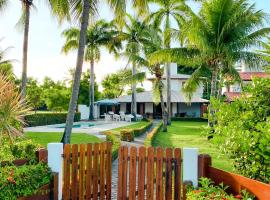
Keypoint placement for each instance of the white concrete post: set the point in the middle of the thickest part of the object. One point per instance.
(55, 162)
(190, 165)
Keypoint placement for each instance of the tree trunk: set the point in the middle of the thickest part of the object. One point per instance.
(212, 94)
(91, 91)
(134, 100)
(168, 70)
(78, 72)
(163, 108)
(25, 49)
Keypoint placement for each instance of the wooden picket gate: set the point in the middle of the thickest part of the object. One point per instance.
(87, 171)
(146, 173)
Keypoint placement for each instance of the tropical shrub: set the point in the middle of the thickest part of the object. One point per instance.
(41, 119)
(21, 148)
(127, 135)
(242, 130)
(23, 181)
(12, 110)
(207, 190)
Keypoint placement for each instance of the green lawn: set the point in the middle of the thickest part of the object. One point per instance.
(76, 138)
(134, 125)
(189, 134)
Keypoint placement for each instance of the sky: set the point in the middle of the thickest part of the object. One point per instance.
(45, 42)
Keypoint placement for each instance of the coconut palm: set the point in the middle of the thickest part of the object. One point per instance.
(219, 36)
(168, 10)
(100, 34)
(265, 53)
(6, 67)
(81, 9)
(135, 34)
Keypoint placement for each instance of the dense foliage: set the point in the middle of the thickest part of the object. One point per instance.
(47, 118)
(242, 130)
(21, 148)
(207, 191)
(23, 181)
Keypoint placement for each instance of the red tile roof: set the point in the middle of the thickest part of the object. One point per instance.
(247, 76)
(231, 96)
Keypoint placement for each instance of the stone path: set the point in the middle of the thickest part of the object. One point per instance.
(138, 142)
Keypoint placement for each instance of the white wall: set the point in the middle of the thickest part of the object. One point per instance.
(123, 107)
(84, 110)
(194, 108)
(148, 107)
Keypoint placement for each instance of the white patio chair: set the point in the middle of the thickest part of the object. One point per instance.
(107, 117)
(122, 115)
(129, 118)
(116, 117)
(139, 117)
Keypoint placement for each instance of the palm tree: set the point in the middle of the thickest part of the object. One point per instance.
(81, 9)
(135, 35)
(100, 34)
(265, 53)
(168, 10)
(6, 67)
(219, 36)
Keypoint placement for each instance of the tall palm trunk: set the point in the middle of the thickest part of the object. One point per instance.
(91, 91)
(134, 99)
(213, 93)
(163, 108)
(168, 70)
(26, 4)
(78, 72)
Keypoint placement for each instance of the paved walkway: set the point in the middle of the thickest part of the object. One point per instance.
(138, 142)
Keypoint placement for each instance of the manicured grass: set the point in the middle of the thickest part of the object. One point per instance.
(132, 126)
(189, 134)
(76, 138)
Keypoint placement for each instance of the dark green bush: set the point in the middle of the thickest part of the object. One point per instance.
(23, 181)
(41, 119)
(186, 119)
(127, 135)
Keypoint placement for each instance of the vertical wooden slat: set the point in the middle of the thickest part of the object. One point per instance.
(55, 186)
(177, 174)
(159, 174)
(82, 172)
(102, 173)
(125, 169)
(66, 186)
(95, 172)
(108, 170)
(141, 173)
(74, 184)
(168, 179)
(150, 174)
(132, 173)
(88, 182)
(120, 173)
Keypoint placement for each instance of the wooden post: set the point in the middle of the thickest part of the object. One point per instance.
(42, 155)
(204, 161)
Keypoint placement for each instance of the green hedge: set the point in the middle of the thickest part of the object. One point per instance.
(139, 131)
(41, 119)
(127, 135)
(151, 136)
(188, 119)
(110, 137)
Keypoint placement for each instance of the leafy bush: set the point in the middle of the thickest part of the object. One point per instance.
(127, 135)
(23, 181)
(19, 149)
(41, 119)
(189, 119)
(110, 137)
(207, 191)
(242, 130)
(12, 109)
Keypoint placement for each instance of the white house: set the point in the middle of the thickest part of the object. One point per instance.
(179, 104)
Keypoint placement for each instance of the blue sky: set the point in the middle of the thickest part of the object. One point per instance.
(45, 57)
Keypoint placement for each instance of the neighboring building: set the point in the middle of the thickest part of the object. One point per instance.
(234, 91)
(179, 104)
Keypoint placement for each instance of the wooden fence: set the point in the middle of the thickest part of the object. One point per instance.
(235, 182)
(87, 171)
(148, 173)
